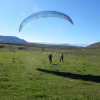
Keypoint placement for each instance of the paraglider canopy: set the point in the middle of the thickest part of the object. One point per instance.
(45, 14)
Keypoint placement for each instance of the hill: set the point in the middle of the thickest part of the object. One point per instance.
(11, 39)
(94, 45)
(14, 40)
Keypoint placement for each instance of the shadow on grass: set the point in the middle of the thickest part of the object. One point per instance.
(72, 75)
(55, 64)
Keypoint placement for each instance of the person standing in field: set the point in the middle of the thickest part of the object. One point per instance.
(50, 58)
(61, 57)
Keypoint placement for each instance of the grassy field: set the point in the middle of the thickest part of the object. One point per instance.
(28, 75)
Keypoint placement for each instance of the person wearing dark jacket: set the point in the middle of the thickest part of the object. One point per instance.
(61, 57)
(50, 58)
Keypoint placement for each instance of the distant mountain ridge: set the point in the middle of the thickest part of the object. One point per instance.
(94, 45)
(78, 45)
(11, 39)
(64, 44)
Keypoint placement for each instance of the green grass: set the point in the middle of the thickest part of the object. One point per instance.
(28, 75)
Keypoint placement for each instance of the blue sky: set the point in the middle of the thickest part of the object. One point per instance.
(84, 13)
